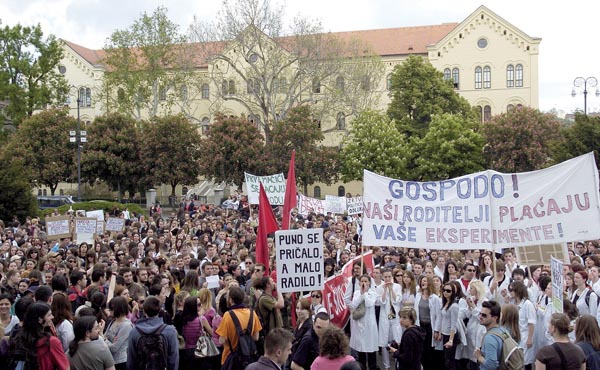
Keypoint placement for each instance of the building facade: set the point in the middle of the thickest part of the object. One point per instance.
(492, 63)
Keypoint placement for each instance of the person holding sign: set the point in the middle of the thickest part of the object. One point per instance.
(389, 296)
(364, 338)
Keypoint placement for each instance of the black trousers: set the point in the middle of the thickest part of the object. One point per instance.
(368, 357)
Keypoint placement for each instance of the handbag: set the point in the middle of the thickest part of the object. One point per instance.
(359, 311)
(205, 347)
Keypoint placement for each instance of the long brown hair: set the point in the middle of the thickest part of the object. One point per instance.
(510, 320)
(587, 330)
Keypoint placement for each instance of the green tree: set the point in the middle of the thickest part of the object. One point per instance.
(451, 147)
(418, 92)
(149, 68)
(314, 162)
(276, 65)
(29, 77)
(375, 144)
(42, 143)
(16, 198)
(112, 153)
(580, 138)
(233, 146)
(520, 140)
(171, 151)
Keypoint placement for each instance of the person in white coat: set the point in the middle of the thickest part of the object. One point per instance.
(365, 336)
(583, 297)
(474, 331)
(427, 307)
(527, 320)
(389, 299)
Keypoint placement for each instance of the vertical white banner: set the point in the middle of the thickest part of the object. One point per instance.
(556, 266)
(299, 260)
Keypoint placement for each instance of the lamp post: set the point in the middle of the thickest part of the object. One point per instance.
(580, 82)
(78, 137)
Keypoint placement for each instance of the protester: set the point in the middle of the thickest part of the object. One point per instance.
(278, 346)
(562, 355)
(334, 349)
(413, 339)
(85, 350)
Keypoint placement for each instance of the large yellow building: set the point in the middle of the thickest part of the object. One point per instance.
(492, 63)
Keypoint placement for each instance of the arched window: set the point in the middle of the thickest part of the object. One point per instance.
(316, 86)
(341, 121)
(341, 191)
(487, 77)
(388, 82)
(184, 190)
(231, 87)
(82, 96)
(510, 108)
(62, 191)
(510, 76)
(365, 83)
(480, 113)
(339, 83)
(205, 91)
(478, 77)
(88, 97)
(487, 113)
(162, 93)
(447, 74)
(205, 125)
(45, 192)
(184, 92)
(121, 95)
(225, 88)
(39, 192)
(456, 77)
(317, 192)
(519, 75)
(255, 120)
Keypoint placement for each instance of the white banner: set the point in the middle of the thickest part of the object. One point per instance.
(307, 205)
(115, 224)
(299, 260)
(556, 267)
(336, 204)
(274, 187)
(98, 215)
(486, 209)
(354, 205)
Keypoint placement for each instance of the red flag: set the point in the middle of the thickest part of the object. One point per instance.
(267, 223)
(291, 201)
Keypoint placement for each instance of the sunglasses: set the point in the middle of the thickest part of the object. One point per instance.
(484, 315)
(470, 270)
(399, 275)
(447, 290)
(315, 296)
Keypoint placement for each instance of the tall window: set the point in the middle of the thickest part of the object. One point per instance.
(82, 96)
(388, 81)
(205, 125)
(479, 113)
(205, 91)
(487, 113)
(339, 83)
(456, 77)
(88, 97)
(341, 191)
(225, 87)
(317, 192)
(519, 75)
(447, 74)
(478, 77)
(510, 76)
(487, 77)
(341, 121)
(510, 108)
(255, 120)
(162, 94)
(250, 86)
(365, 83)
(121, 95)
(231, 87)
(282, 85)
(184, 92)
(316, 86)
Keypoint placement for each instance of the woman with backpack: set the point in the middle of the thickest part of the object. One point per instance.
(584, 297)
(193, 325)
(562, 354)
(527, 320)
(34, 342)
(587, 337)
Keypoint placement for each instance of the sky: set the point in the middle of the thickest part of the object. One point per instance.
(568, 49)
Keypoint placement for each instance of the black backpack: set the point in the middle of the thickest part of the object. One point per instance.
(245, 352)
(151, 350)
(21, 358)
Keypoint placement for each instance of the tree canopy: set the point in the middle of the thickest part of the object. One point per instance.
(233, 146)
(418, 92)
(112, 153)
(520, 140)
(171, 151)
(29, 76)
(42, 143)
(269, 67)
(16, 198)
(580, 138)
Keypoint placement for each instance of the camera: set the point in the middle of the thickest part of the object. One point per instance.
(393, 344)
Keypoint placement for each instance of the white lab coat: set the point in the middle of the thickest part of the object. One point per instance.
(364, 334)
(389, 329)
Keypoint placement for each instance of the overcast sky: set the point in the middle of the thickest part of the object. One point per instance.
(568, 29)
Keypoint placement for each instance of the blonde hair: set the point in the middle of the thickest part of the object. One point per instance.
(205, 298)
(479, 288)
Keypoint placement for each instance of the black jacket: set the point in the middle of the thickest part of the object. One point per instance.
(408, 355)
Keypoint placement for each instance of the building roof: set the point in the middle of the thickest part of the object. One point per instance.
(384, 42)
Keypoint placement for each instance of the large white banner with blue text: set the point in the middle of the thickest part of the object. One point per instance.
(485, 209)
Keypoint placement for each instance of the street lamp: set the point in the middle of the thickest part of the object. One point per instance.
(585, 83)
(78, 137)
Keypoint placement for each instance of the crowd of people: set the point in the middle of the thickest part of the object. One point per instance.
(184, 291)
